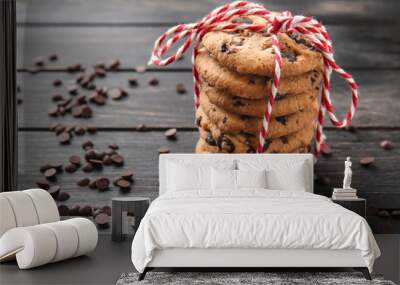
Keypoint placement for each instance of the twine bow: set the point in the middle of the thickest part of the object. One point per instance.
(311, 30)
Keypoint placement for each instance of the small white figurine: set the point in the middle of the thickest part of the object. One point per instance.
(347, 174)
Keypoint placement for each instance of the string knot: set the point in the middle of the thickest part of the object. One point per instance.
(310, 30)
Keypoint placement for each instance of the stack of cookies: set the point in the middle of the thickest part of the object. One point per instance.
(236, 70)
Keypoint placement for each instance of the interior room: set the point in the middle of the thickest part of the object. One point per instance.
(199, 142)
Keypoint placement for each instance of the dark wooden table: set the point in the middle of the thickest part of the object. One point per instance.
(367, 42)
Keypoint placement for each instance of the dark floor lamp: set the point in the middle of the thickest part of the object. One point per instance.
(8, 111)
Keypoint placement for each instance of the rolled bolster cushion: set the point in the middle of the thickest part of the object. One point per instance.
(23, 208)
(45, 206)
(7, 218)
(40, 244)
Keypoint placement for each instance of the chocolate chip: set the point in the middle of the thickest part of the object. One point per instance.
(74, 211)
(180, 88)
(224, 120)
(198, 121)
(64, 138)
(141, 127)
(63, 210)
(76, 111)
(57, 98)
(123, 184)
(140, 69)
(75, 159)
(92, 185)
(224, 47)
(87, 145)
(280, 96)
(43, 185)
(164, 149)
(62, 196)
(53, 57)
(53, 111)
(154, 81)
(242, 20)
(71, 168)
(116, 93)
(170, 134)
(85, 211)
(226, 144)
(107, 160)
(55, 165)
(366, 161)
(91, 130)
(112, 64)
(100, 72)
(79, 131)
(38, 61)
(245, 117)
(102, 220)
(57, 82)
(83, 182)
(73, 90)
(59, 129)
(133, 82)
(267, 142)
(86, 112)
(113, 146)
(210, 140)
(50, 173)
(237, 101)
(103, 184)
(284, 140)
(88, 167)
(54, 191)
(128, 175)
(117, 159)
(386, 145)
(289, 55)
(98, 164)
(106, 210)
(281, 120)
(98, 99)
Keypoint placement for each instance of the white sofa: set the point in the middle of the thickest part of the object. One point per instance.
(31, 231)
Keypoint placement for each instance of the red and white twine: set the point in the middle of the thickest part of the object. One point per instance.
(310, 29)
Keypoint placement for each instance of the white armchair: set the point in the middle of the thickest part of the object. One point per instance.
(31, 230)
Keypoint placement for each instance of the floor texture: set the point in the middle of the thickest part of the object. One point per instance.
(250, 278)
(104, 266)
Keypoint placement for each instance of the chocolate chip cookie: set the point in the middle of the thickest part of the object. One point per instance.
(252, 53)
(226, 143)
(283, 105)
(292, 142)
(279, 125)
(252, 86)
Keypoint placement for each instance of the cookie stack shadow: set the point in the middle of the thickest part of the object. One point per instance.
(236, 70)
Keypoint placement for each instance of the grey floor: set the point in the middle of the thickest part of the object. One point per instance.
(103, 266)
(111, 259)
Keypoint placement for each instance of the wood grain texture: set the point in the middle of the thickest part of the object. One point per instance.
(162, 106)
(140, 150)
(364, 46)
(173, 11)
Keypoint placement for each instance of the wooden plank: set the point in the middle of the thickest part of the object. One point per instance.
(367, 46)
(378, 183)
(161, 106)
(136, 11)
